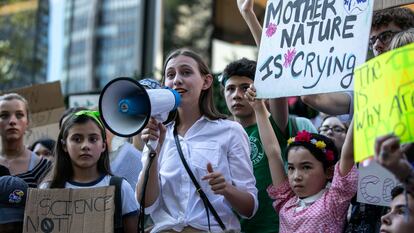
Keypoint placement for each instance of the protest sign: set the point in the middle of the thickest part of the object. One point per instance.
(46, 106)
(384, 100)
(375, 184)
(311, 46)
(70, 210)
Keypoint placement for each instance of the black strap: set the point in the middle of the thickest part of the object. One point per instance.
(117, 182)
(198, 188)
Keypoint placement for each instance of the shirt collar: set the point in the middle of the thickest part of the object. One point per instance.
(305, 202)
(202, 118)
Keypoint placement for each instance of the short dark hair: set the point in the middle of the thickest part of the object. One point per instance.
(400, 16)
(397, 190)
(241, 67)
(46, 142)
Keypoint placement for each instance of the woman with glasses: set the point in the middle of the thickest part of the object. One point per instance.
(386, 24)
(334, 129)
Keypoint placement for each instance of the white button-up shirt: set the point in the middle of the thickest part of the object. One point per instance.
(225, 145)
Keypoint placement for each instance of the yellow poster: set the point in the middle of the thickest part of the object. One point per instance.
(384, 99)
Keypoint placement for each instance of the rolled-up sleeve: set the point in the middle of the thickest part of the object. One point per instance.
(241, 168)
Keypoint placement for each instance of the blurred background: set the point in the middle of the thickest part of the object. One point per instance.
(86, 43)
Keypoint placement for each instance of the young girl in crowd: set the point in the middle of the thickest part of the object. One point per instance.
(14, 123)
(82, 161)
(304, 200)
(216, 150)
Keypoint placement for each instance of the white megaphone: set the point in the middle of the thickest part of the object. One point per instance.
(126, 106)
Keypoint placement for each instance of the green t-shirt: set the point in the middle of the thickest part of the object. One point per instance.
(265, 220)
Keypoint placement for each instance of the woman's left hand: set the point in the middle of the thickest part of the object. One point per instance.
(216, 180)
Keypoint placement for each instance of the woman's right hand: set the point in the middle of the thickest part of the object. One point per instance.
(154, 131)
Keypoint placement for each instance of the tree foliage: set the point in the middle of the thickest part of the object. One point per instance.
(190, 24)
(16, 47)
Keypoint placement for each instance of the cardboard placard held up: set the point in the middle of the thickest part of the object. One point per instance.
(375, 184)
(89, 210)
(42, 97)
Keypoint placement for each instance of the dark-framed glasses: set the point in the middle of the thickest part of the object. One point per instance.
(335, 129)
(385, 37)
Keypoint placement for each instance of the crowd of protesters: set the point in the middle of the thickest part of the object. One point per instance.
(266, 170)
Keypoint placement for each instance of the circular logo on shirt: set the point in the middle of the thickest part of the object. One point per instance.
(256, 150)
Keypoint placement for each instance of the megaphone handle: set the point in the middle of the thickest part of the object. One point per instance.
(152, 144)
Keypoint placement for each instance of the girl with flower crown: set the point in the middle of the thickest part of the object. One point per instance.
(315, 194)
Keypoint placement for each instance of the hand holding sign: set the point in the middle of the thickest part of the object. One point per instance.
(216, 180)
(389, 155)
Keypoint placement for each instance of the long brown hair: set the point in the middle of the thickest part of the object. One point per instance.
(206, 101)
(62, 170)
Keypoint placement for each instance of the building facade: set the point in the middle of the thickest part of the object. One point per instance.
(102, 41)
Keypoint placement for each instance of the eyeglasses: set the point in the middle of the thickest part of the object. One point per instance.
(385, 37)
(335, 129)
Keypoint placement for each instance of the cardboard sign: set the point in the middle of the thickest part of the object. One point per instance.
(46, 107)
(384, 100)
(383, 4)
(70, 210)
(87, 101)
(311, 46)
(375, 184)
(42, 97)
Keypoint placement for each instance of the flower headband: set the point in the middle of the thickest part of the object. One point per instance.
(305, 136)
(93, 114)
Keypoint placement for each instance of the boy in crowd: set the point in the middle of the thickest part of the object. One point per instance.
(400, 218)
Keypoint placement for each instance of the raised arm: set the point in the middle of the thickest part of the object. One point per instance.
(347, 156)
(267, 137)
(246, 11)
(153, 131)
(329, 103)
(278, 107)
(279, 110)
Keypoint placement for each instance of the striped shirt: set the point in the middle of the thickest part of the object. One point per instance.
(36, 171)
